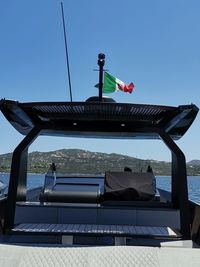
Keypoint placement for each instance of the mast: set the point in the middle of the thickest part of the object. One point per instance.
(101, 62)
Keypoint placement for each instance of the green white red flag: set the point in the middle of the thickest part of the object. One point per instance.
(112, 84)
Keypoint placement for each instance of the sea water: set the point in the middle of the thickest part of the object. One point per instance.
(163, 182)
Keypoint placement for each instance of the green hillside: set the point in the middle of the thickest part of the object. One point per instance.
(82, 161)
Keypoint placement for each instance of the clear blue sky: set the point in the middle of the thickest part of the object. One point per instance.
(155, 44)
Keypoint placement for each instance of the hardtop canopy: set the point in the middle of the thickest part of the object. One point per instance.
(99, 119)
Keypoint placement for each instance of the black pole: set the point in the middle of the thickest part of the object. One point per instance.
(179, 184)
(101, 61)
(18, 177)
(66, 52)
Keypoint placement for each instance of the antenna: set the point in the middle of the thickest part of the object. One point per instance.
(66, 52)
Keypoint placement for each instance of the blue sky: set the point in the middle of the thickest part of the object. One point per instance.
(155, 44)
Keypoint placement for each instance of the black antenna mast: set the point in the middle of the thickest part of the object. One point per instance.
(66, 52)
(101, 62)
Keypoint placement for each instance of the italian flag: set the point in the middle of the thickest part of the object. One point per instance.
(112, 84)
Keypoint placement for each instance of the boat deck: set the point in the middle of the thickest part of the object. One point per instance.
(122, 256)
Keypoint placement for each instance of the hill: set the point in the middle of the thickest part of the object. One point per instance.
(82, 161)
(194, 162)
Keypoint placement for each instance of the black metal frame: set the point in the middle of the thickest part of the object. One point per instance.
(18, 178)
(179, 184)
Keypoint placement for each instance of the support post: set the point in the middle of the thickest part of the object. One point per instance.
(179, 184)
(18, 177)
(120, 241)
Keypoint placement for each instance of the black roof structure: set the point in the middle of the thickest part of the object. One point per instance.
(99, 119)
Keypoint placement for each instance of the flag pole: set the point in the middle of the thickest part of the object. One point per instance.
(101, 61)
